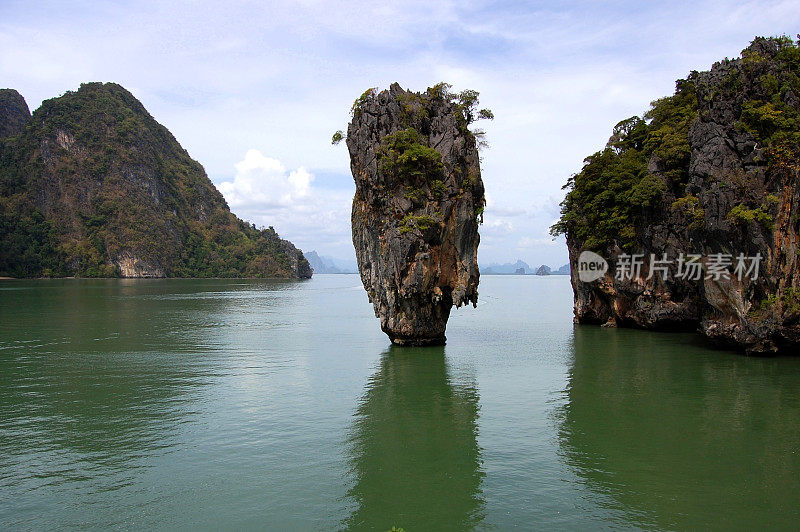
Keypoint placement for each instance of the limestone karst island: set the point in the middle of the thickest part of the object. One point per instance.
(709, 174)
(419, 198)
(400, 267)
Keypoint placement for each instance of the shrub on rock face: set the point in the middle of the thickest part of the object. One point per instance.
(402, 155)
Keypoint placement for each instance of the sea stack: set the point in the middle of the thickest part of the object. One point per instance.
(419, 198)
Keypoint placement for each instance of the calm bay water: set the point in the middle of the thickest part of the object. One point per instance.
(280, 405)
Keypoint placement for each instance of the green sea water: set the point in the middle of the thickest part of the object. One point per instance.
(196, 404)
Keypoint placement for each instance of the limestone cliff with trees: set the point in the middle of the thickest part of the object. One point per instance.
(92, 186)
(711, 171)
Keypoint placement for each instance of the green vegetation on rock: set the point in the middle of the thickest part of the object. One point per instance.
(94, 181)
(689, 205)
(421, 222)
(403, 154)
(438, 189)
(742, 215)
(615, 191)
(415, 194)
(771, 113)
(366, 96)
(788, 299)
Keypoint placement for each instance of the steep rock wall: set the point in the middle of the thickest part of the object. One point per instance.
(419, 197)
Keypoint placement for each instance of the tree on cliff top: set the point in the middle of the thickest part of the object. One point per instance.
(466, 103)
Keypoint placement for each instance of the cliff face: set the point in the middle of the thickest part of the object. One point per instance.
(418, 200)
(713, 172)
(92, 186)
(14, 113)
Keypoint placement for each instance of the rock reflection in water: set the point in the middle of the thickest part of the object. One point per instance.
(413, 448)
(676, 435)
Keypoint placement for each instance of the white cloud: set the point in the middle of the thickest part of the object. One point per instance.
(262, 183)
(282, 75)
(265, 192)
(496, 227)
(530, 242)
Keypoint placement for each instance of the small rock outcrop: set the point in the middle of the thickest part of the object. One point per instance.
(419, 198)
(14, 113)
(133, 267)
(710, 178)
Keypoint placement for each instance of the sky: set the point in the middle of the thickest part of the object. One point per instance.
(254, 90)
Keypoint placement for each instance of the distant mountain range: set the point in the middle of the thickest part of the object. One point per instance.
(520, 267)
(324, 264)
